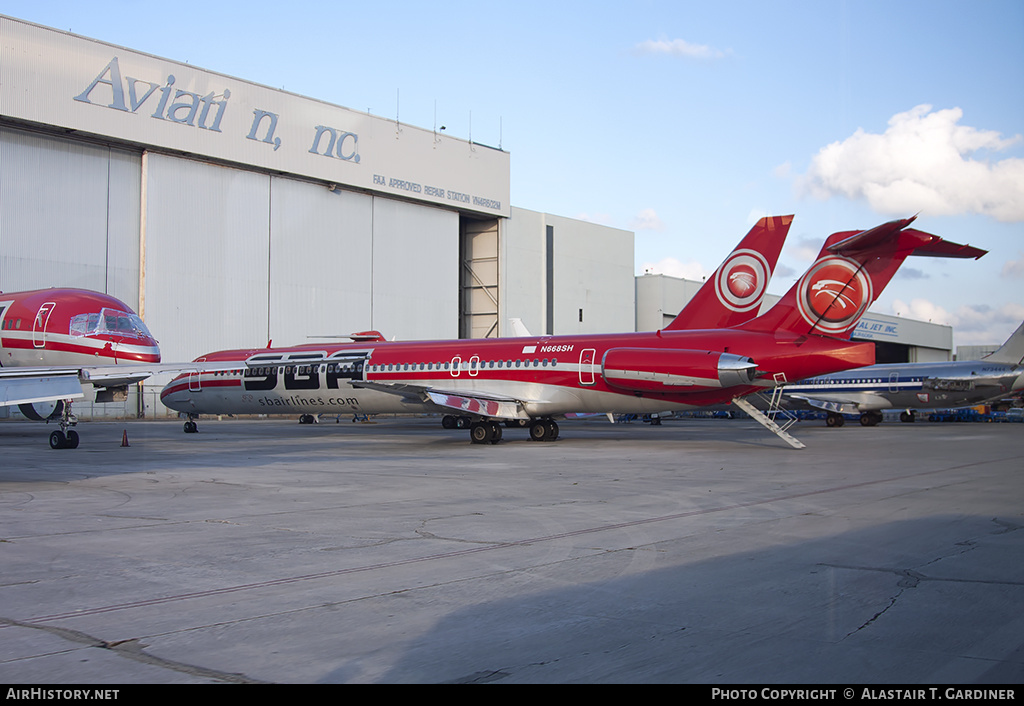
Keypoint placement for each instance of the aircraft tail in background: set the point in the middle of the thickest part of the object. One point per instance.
(734, 293)
(1012, 351)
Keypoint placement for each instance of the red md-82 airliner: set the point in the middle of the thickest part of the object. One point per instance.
(535, 380)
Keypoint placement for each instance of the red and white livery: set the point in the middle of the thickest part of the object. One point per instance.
(536, 380)
(52, 341)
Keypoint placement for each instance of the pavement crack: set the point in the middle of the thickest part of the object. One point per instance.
(484, 677)
(134, 650)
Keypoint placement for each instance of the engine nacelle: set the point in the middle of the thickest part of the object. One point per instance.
(42, 411)
(674, 370)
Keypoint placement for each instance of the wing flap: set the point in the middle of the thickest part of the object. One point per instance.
(26, 389)
(41, 384)
(501, 408)
(117, 375)
(481, 403)
(844, 404)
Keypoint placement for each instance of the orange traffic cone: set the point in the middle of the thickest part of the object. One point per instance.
(124, 438)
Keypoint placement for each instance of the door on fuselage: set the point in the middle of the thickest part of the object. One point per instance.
(587, 356)
(40, 323)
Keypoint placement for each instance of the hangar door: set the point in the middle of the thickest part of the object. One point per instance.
(478, 300)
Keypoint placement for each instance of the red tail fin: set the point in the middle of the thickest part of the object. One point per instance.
(849, 274)
(734, 293)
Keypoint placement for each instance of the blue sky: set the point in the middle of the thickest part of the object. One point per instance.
(683, 122)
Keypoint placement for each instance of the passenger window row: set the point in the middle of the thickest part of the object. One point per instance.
(464, 365)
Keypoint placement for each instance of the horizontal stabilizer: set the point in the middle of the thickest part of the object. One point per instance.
(915, 241)
(848, 276)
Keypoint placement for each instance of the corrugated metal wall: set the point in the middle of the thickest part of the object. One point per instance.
(232, 257)
(207, 249)
(69, 215)
(415, 271)
(320, 255)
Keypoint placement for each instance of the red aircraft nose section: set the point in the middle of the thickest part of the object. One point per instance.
(124, 335)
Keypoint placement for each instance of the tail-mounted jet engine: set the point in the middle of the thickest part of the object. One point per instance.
(674, 370)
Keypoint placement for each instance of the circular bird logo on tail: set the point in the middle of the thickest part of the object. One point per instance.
(741, 280)
(834, 294)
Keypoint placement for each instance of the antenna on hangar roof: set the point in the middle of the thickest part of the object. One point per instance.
(398, 106)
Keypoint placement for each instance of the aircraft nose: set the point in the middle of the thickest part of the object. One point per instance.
(175, 395)
(140, 350)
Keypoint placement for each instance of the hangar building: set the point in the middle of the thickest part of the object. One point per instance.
(229, 214)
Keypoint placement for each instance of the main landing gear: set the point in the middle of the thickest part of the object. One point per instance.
(65, 438)
(870, 419)
(543, 430)
(486, 431)
(867, 419)
(833, 419)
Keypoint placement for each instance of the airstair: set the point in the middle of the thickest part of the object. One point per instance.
(775, 413)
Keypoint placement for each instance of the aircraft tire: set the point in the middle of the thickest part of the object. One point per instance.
(496, 433)
(72, 442)
(543, 430)
(539, 431)
(58, 440)
(480, 433)
(448, 421)
(870, 419)
(834, 420)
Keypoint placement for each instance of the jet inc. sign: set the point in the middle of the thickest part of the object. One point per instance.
(833, 294)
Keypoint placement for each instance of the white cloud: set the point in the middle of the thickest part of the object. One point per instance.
(672, 267)
(922, 163)
(678, 47)
(647, 219)
(1014, 269)
(973, 324)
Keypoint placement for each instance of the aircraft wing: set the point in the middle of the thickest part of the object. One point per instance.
(848, 403)
(476, 402)
(55, 384)
(44, 383)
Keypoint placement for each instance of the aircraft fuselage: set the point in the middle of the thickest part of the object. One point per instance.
(548, 375)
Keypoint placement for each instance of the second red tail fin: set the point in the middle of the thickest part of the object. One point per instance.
(849, 274)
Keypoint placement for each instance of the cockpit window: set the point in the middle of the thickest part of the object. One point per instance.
(111, 322)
